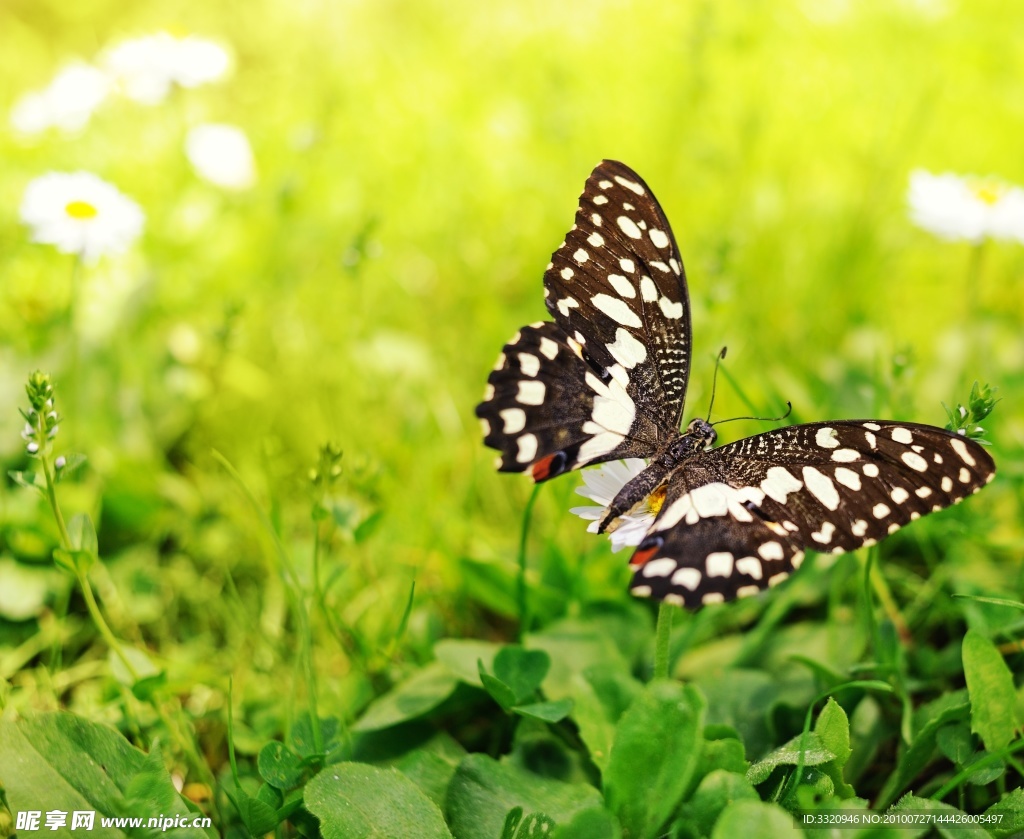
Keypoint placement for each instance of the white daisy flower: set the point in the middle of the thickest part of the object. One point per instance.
(601, 484)
(967, 208)
(147, 68)
(222, 155)
(80, 213)
(66, 103)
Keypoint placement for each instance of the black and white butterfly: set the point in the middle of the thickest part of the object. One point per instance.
(607, 380)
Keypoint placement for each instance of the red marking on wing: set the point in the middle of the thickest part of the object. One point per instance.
(541, 470)
(640, 557)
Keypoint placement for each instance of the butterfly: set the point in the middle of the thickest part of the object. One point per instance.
(607, 380)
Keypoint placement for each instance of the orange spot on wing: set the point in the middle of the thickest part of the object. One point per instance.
(541, 470)
(640, 557)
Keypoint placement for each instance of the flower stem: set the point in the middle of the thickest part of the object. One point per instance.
(524, 606)
(666, 612)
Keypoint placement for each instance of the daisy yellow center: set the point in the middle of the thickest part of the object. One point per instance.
(80, 210)
(656, 500)
(988, 191)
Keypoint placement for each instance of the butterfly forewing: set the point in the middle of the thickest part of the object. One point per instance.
(617, 286)
(739, 518)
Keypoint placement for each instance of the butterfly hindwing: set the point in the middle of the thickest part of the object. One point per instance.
(616, 285)
(739, 518)
(547, 410)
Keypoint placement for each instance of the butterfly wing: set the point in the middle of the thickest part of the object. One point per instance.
(616, 285)
(739, 518)
(608, 378)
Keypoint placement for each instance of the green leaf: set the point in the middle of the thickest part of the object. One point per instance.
(716, 791)
(497, 689)
(814, 754)
(302, 741)
(573, 646)
(833, 727)
(258, 816)
(727, 754)
(72, 463)
(29, 480)
(279, 766)
(595, 823)
(655, 753)
(958, 829)
(359, 801)
(82, 534)
(990, 687)
(1011, 809)
(60, 761)
(483, 791)
(422, 692)
(462, 657)
(521, 669)
(545, 711)
(753, 820)
(431, 768)
(956, 742)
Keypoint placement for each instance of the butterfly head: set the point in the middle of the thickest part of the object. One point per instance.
(701, 431)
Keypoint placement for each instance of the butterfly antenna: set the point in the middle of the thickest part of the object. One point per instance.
(789, 410)
(714, 381)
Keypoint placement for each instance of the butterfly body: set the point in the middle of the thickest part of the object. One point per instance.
(607, 380)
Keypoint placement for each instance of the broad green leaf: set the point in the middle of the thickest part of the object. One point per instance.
(427, 688)
(258, 816)
(29, 479)
(654, 755)
(462, 657)
(1010, 812)
(359, 801)
(754, 820)
(956, 742)
(483, 791)
(545, 711)
(432, 767)
(82, 534)
(833, 728)
(302, 741)
(596, 731)
(497, 689)
(724, 754)
(279, 766)
(573, 646)
(595, 823)
(521, 669)
(992, 692)
(814, 754)
(60, 761)
(716, 791)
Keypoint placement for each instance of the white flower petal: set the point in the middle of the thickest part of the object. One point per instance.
(80, 213)
(601, 484)
(222, 155)
(148, 67)
(66, 103)
(966, 208)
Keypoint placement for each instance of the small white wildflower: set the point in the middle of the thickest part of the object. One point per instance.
(967, 208)
(66, 103)
(60, 462)
(80, 213)
(32, 448)
(147, 68)
(222, 155)
(601, 484)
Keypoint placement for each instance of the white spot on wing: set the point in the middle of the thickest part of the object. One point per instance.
(514, 420)
(630, 185)
(595, 239)
(880, 510)
(719, 564)
(565, 304)
(826, 438)
(527, 448)
(670, 309)
(965, 476)
(627, 265)
(648, 290)
(581, 255)
(529, 364)
(751, 566)
(778, 483)
(531, 392)
(600, 199)
(548, 348)
(617, 309)
(659, 238)
(567, 273)
(771, 550)
(821, 487)
(659, 567)
(872, 426)
(960, 447)
(899, 495)
(848, 478)
(859, 528)
(628, 226)
(914, 461)
(622, 285)
(687, 578)
(824, 536)
(902, 435)
(713, 597)
(870, 469)
(923, 492)
(627, 350)
(845, 455)
(947, 483)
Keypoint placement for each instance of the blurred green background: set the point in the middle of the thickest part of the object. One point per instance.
(418, 162)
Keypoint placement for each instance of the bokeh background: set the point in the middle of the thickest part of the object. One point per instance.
(416, 163)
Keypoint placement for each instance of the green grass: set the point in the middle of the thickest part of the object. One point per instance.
(418, 163)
